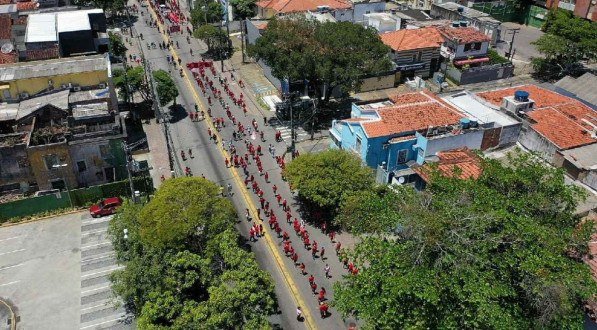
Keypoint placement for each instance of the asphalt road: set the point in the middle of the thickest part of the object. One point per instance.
(292, 288)
(54, 272)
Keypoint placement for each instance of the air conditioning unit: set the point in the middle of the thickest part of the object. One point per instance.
(24, 95)
(102, 85)
(519, 103)
(77, 88)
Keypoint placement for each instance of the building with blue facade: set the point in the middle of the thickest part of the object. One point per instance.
(392, 135)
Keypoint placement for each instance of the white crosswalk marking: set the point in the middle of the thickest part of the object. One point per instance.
(98, 309)
(285, 131)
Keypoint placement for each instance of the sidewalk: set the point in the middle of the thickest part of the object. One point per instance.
(157, 157)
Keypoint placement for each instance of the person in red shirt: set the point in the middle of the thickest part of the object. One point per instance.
(275, 189)
(321, 296)
(314, 288)
(266, 177)
(323, 309)
(311, 279)
(338, 246)
(315, 245)
(302, 268)
(285, 236)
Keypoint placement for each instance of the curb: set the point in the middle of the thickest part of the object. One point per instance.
(10, 224)
(13, 318)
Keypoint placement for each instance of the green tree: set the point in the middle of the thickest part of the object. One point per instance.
(243, 8)
(568, 41)
(117, 47)
(215, 38)
(185, 268)
(165, 86)
(500, 252)
(206, 12)
(113, 6)
(137, 83)
(376, 210)
(301, 49)
(324, 178)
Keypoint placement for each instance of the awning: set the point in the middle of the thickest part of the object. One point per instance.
(4, 87)
(471, 61)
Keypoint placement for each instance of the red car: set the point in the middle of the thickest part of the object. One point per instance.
(106, 207)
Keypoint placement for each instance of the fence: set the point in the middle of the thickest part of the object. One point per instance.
(80, 197)
(480, 74)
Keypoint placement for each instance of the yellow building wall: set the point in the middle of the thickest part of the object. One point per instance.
(33, 86)
(43, 176)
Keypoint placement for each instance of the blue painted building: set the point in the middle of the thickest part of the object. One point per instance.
(391, 135)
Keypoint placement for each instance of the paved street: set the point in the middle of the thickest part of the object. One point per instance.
(48, 267)
(523, 50)
(292, 288)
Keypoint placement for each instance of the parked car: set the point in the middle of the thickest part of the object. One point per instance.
(106, 207)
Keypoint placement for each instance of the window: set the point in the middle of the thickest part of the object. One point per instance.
(402, 156)
(477, 46)
(82, 166)
(105, 151)
(419, 56)
(467, 47)
(51, 161)
(359, 144)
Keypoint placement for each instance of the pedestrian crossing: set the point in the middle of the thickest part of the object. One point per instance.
(98, 304)
(285, 131)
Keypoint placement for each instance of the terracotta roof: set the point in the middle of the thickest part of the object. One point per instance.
(5, 2)
(28, 5)
(409, 39)
(559, 129)
(5, 27)
(261, 26)
(294, 6)
(464, 35)
(457, 160)
(542, 97)
(8, 58)
(423, 111)
(42, 54)
(561, 119)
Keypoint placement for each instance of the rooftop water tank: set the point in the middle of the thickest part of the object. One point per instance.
(521, 96)
(465, 122)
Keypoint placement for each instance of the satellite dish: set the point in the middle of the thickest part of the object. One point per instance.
(401, 180)
(7, 48)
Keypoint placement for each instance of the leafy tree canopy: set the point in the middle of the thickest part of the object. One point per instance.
(113, 6)
(325, 178)
(185, 268)
(165, 86)
(117, 47)
(216, 39)
(332, 54)
(206, 12)
(568, 41)
(500, 252)
(243, 8)
(136, 81)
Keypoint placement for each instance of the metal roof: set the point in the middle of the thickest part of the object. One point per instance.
(41, 28)
(59, 100)
(53, 67)
(72, 21)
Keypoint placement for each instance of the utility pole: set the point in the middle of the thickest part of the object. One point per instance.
(128, 169)
(514, 32)
(291, 127)
(242, 38)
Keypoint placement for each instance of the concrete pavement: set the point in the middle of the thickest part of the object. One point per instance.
(292, 288)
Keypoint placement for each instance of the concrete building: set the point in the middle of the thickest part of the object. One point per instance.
(341, 10)
(464, 45)
(581, 88)
(66, 33)
(553, 123)
(383, 22)
(392, 135)
(19, 81)
(580, 163)
(59, 125)
(480, 20)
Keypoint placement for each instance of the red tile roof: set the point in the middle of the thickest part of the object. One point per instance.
(410, 39)
(463, 35)
(8, 58)
(564, 121)
(452, 161)
(5, 2)
(420, 112)
(261, 26)
(28, 5)
(5, 27)
(295, 6)
(42, 54)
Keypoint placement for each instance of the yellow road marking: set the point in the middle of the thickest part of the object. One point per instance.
(309, 323)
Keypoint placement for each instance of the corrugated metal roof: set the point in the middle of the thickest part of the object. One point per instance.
(72, 21)
(54, 67)
(41, 28)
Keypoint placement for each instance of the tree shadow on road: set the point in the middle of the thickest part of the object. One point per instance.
(177, 113)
